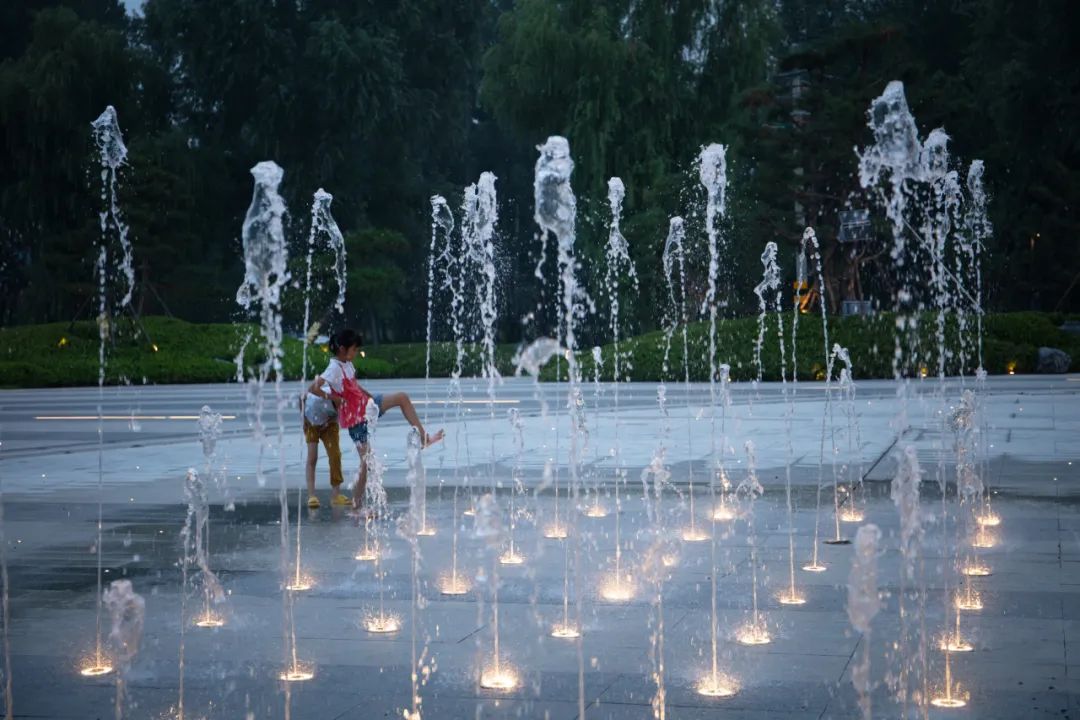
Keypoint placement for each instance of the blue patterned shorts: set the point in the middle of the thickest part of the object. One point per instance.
(359, 433)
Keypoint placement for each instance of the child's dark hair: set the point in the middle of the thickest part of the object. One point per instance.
(345, 339)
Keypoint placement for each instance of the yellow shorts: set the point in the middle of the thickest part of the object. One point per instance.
(328, 434)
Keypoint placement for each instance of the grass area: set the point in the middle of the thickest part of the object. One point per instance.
(166, 350)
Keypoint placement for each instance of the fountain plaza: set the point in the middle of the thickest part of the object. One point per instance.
(1023, 639)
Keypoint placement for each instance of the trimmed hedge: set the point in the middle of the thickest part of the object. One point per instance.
(165, 350)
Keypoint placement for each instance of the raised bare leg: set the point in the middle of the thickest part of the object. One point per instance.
(402, 400)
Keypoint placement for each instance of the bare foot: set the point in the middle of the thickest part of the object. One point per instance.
(432, 439)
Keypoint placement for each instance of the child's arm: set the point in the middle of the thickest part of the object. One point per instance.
(316, 389)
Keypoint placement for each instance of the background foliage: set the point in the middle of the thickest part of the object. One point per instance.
(384, 104)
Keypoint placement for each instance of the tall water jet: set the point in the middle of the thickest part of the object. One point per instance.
(439, 280)
(977, 229)
(413, 524)
(895, 158)
(265, 278)
(323, 225)
(969, 488)
(199, 513)
(478, 233)
(114, 257)
(810, 243)
(324, 229)
(655, 566)
(618, 268)
(909, 678)
(127, 609)
(712, 172)
(715, 683)
(555, 213)
(845, 385)
(378, 620)
(512, 556)
(209, 434)
(596, 507)
(754, 631)
(863, 605)
(496, 673)
(674, 256)
(770, 284)
(531, 359)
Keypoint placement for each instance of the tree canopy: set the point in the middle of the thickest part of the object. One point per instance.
(385, 104)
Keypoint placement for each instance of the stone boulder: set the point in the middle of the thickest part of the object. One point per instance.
(1052, 360)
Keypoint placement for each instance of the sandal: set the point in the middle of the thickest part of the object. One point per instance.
(340, 499)
(313, 502)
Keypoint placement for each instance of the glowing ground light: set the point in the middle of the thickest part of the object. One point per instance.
(975, 570)
(301, 585)
(716, 687)
(754, 635)
(989, 520)
(617, 590)
(95, 669)
(851, 516)
(565, 631)
(692, 534)
(426, 532)
(955, 643)
(498, 678)
(948, 702)
(297, 673)
(454, 586)
(382, 624)
(468, 512)
(511, 557)
(814, 568)
(209, 620)
(723, 514)
(367, 555)
(555, 531)
(596, 511)
(670, 560)
(791, 598)
(969, 601)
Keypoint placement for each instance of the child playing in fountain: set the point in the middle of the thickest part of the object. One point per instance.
(337, 385)
(321, 417)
